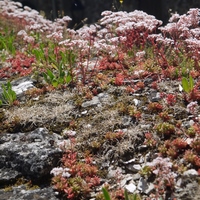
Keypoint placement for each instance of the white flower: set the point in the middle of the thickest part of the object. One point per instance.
(174, 17)
(161, 162)
(192, 107)
(22, 33)
(55, 35)
(27, 8)
(56, 171)
(29, 39)
(140, 54)
(65, 144)
(68, 133)
(59, 170)
(67, 18)
(106, 12)
(66, 173)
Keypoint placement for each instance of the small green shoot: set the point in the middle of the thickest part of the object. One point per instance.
(8, 95)
(7, 40)
(126, 195)
(106, 194)
(57, 79)
(188, 84)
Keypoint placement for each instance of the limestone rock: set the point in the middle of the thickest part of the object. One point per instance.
(31, 155)
(22, 193)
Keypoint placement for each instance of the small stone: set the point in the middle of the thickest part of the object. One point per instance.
(190, 172)
(142, 147)
(189, 140)
(137, 167)
(94, 102)
(101, 95)
(88, 126)
(84, 112)
(126, 120)
(179, 182)
(129, 161)
(69, 133)
(112, 172)
(126, 178)
(180, 88)
(22, 87)
(145, 126)
(136, 102)
(130, 187)
(144, 186)
(136, 176)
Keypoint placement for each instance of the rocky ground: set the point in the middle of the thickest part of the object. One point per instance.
(31, 134)
(112, 105)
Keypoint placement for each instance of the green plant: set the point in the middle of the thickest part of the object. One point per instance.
(149, 140)
(106, 194)
(164, 116)
(57, 79)
(8, 95)
(131, 196)
(166, 129)
(38, 53)
(155, 107)
(188, 84)
(133, 112)
(7, 40)
(146, 171)
(118, 135)
(126, 195)
(75, 178)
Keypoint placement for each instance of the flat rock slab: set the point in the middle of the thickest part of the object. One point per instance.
(20, 85)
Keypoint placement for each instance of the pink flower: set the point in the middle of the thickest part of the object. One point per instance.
(29, 39)
(55, 36)
(192, 107)
(22, 33)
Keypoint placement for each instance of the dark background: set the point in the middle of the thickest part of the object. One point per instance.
(91, 9)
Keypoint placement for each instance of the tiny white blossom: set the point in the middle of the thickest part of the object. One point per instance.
(69, 133)
(106, 12)
(29, 39)
(59, 170)
(67, 18)
(56, 171)
(22, 33)
(192, 107)
(27, 8)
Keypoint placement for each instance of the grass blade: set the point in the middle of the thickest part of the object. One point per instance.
(106, 194)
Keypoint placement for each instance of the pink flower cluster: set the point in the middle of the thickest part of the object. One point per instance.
(31, 18)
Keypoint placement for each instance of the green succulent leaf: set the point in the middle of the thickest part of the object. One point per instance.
(185, 85)
(68, 78)
(55, 83)
(191, 80)
(188, 85)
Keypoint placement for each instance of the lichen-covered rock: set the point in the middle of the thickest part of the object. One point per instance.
(21, 193)
(31, 155)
